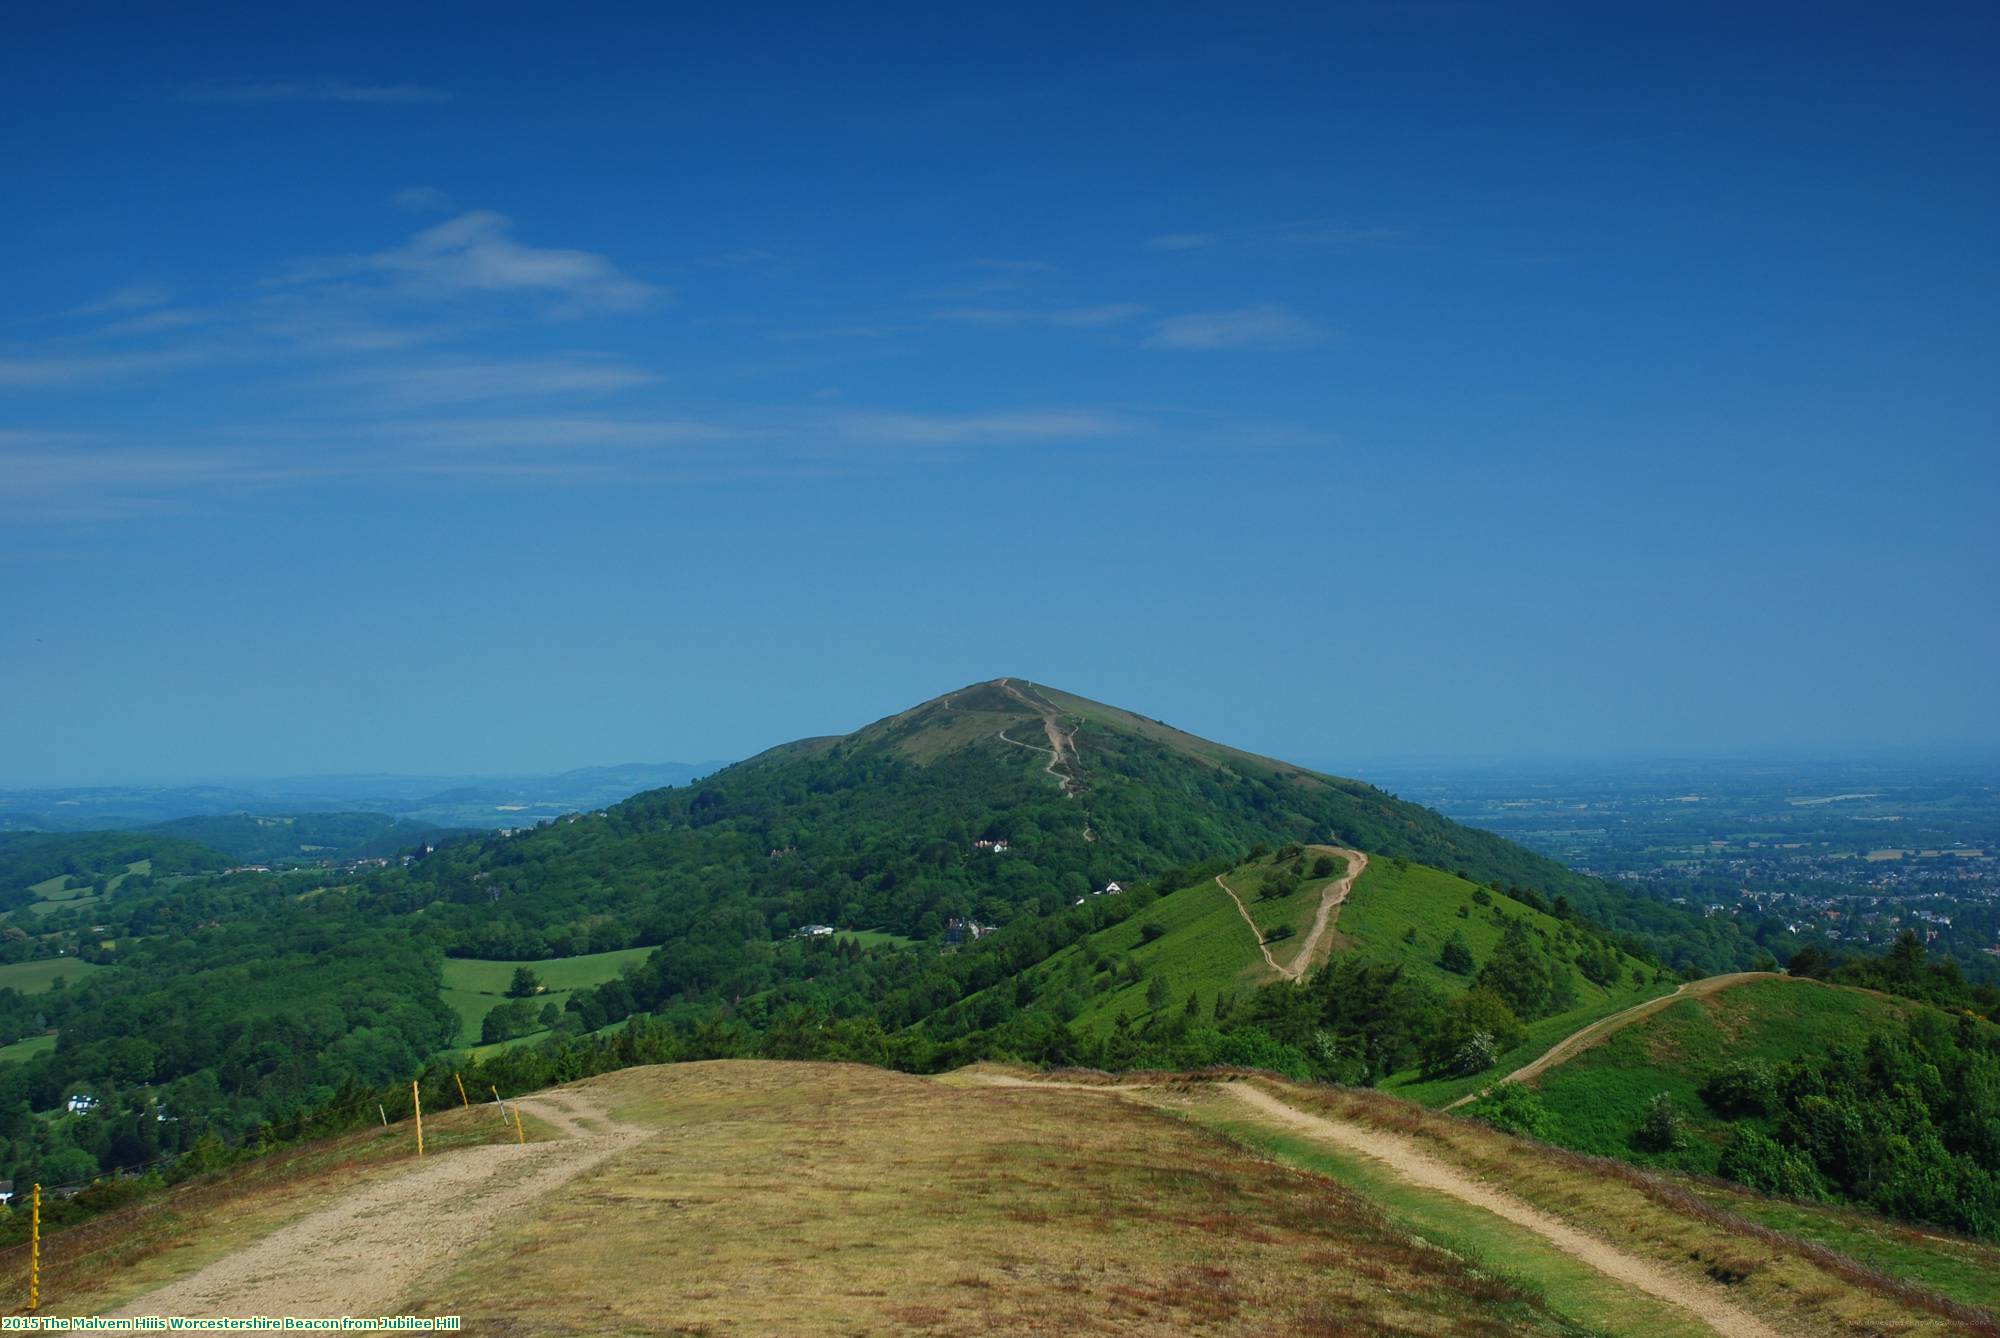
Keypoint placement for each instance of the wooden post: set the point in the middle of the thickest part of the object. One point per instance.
(417, 1100)
(461, 1091)
(383, 1111)
(498, 1104)
(35, 1253)
(520, 1135)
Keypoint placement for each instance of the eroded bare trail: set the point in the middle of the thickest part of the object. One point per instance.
(1574, 1044)
(1255, 932)
(1311, 950)
(362, 1255)
(1062, 742)
(1410, 1162)
(1403, 1157)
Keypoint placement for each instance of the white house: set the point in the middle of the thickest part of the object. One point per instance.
(82, 1104)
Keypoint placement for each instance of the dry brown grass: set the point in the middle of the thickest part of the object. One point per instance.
(1788, 1278)
(98, 1264)
(822, 1199)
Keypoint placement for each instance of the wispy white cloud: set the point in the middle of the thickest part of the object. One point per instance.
(53, 371)
(559, 433)
(321, 89)
(155, 322)
(422, 200)
(1264, 325)
(1005, 266)
(881, 330)
(476, 255)
(27, 471)
(99, 476)
(463, 380)
(748, 255)
(1299, 232)
(132, 297)
(1315, 233)
(914, 429)
(1110, 313)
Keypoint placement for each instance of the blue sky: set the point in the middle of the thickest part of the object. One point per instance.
(496, 388)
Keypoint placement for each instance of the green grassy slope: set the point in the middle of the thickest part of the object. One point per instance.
(1599, 1097)
(1398, 914)
(1206, 950)
(1963, 1269)
(37, 976)
(1405, 913)
(475, 986)
(1202, 946)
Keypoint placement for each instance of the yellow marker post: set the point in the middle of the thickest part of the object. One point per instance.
(520, 1135)
(498, 1104)
(417, 1100)
(35, 1253)
(461, 1091)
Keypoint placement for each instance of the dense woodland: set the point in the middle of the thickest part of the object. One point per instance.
(91, 859)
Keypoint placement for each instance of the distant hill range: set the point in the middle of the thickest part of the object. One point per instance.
(441, 801)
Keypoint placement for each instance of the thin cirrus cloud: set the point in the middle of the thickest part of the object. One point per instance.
(1263, 325)
(461, 381)
(322, 89)
(475, 255)
(914, 429)
(1299, 232)
(58, 371)
(1110, 313)
(93, 477)
(421, 200)
(132, 297)
(562, 433)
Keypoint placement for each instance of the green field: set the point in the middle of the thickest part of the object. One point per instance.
(138, 868)
(75, 903)
(483, 1051)
(37, 976)
(63, 893)
(54, 889)
(27, 1048)
(1599, 1097)
(475, 986)
(875, 938)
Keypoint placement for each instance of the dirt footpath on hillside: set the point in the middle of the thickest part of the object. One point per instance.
(1574, 1044)
(363, 1255)
(1330, 898)
(1403, 1157)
